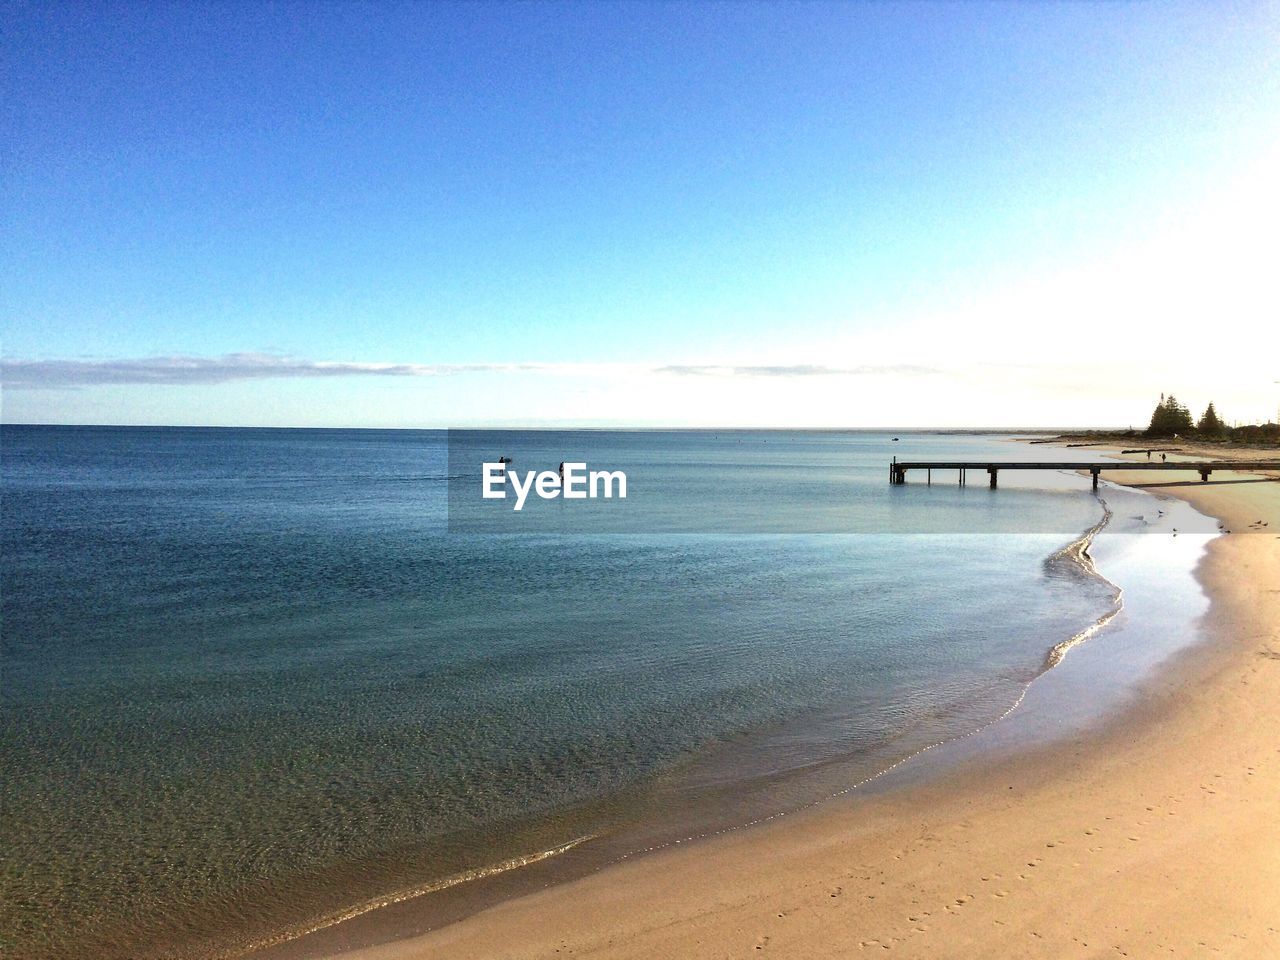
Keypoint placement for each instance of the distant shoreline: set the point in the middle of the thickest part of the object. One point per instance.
(1130, 438)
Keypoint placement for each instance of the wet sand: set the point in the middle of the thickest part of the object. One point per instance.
(1157, 834)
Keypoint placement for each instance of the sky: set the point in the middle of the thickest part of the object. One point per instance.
(430, 215)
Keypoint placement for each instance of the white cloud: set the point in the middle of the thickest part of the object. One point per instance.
(193, 370)
(796, 370)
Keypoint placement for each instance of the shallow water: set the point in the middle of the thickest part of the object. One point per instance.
(252, 681)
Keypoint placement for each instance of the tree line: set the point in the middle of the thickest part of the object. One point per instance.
(1172, 419)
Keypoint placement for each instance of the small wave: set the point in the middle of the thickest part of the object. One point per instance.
(399, 896)
(1075, 556)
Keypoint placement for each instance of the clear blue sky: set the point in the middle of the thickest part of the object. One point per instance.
(531, 210)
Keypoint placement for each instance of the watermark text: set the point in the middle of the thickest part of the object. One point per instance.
(573, 481)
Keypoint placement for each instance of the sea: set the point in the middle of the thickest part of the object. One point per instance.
(262, 685)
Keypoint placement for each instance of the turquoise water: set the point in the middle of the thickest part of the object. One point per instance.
(252, 680)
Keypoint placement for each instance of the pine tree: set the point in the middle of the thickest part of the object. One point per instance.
(1169, 418)
(1209, 424)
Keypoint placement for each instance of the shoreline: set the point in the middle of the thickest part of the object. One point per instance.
(470, 893)
(513, 874)
(720, 891)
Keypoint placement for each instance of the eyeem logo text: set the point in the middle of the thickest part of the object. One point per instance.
(573, 482)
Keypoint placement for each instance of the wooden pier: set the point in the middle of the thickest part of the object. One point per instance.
(898, 469)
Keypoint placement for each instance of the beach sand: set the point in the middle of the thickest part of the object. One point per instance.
(1155, 835)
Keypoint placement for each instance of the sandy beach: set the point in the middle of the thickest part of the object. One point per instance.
(1158, 834)
(640, 481)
